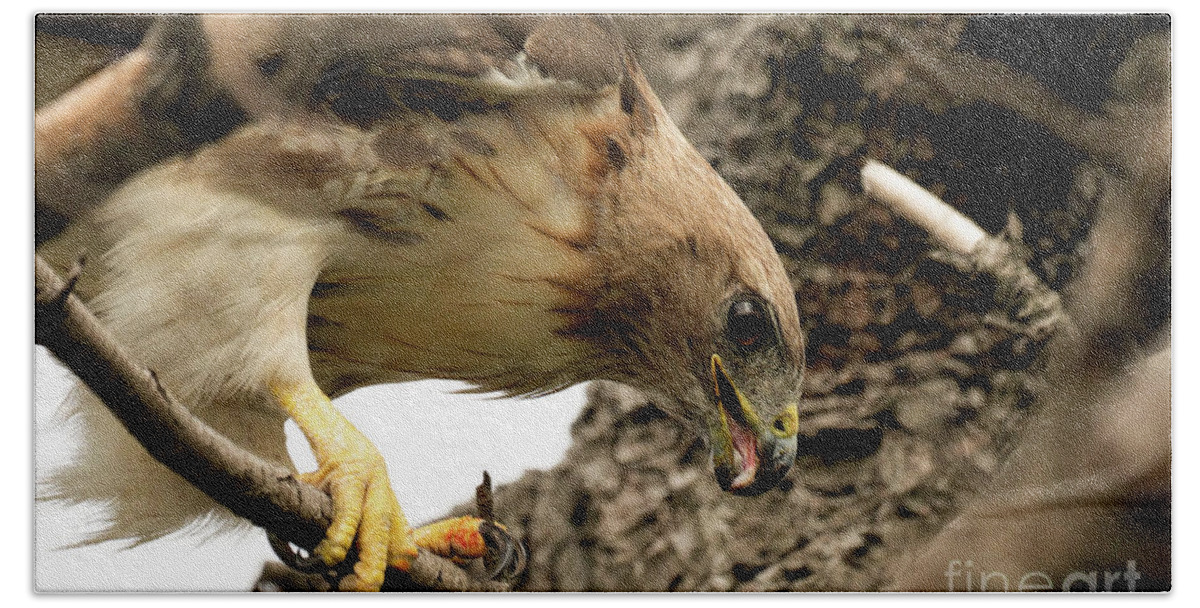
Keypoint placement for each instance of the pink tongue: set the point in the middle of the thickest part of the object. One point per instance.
(745, 454)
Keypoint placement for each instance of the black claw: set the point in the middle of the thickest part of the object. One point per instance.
(506, 556)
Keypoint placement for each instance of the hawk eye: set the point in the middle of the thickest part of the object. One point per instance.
(749, 326)
(349, 90)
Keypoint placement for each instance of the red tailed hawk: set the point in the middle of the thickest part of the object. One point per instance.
(281, 209)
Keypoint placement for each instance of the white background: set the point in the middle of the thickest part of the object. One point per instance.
(436, 443)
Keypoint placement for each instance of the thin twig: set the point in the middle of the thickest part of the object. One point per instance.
(484, 502)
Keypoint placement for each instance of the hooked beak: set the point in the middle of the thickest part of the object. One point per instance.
(749, 457)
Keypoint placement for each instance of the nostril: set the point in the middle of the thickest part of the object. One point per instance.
(786, 424)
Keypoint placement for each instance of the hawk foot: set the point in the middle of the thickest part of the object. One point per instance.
(366, 517)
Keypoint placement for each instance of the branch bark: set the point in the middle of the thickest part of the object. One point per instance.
(266, 494)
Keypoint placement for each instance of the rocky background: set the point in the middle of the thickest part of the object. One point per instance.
(917, 387)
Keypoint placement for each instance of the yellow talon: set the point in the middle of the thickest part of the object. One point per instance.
(350, 468)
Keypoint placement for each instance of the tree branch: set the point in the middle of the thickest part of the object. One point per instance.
(264, 493)
(1034, 310)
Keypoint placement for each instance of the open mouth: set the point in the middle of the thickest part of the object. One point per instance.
(738, 423)
(745, 453)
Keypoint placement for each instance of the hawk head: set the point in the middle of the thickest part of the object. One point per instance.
(692, 305)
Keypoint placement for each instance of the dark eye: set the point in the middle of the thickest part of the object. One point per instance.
(749, 325)
(349, 90)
